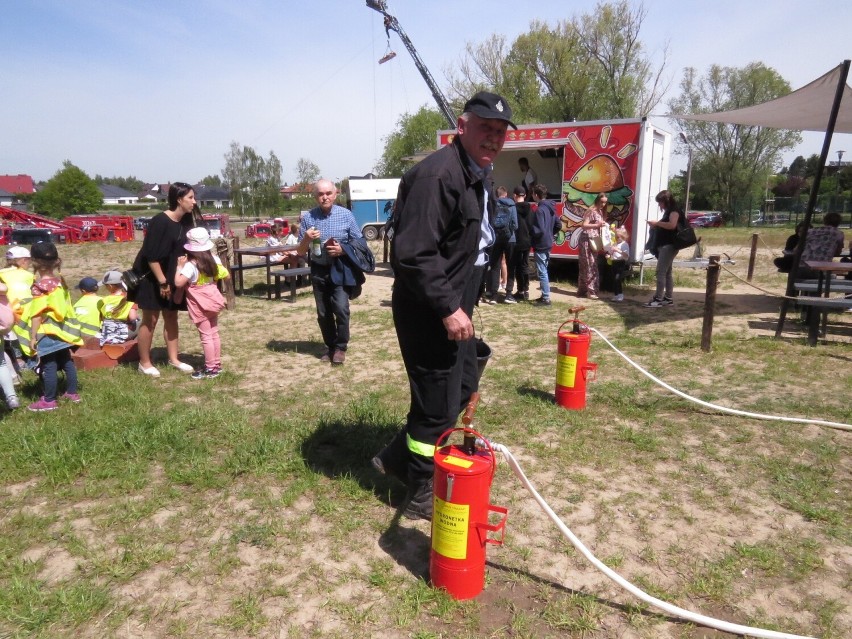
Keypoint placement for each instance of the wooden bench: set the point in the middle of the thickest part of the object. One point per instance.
(816, 308)
(293, 276)
(828, 303)
(836, 286)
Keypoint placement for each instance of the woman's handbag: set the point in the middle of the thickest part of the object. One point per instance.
(685, 236)
(131, 279)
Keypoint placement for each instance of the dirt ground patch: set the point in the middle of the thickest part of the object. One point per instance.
(690, 504)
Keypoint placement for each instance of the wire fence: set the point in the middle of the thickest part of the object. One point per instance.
(787, 211)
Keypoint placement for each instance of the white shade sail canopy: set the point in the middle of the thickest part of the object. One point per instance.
(806, 109)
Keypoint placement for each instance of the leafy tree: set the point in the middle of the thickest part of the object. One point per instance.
(212, 180)
(791, 187)
(811, 166)
(735, 159)
(254, 182)
(589, 67)
(797, 167)
(413, 134)
(131, 183)
(68, 192)
(306, 172)
(625, 78)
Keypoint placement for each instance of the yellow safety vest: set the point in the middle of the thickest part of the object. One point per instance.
(19, 283)
(88, 313)
(221, 273)
(57, 320)
(109, 303)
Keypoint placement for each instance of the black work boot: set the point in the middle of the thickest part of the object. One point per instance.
(419, 500)
(392, 460)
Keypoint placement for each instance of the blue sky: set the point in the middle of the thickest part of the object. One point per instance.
(159, 89)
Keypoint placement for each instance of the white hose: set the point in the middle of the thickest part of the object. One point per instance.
(671, 609)
(732, 411)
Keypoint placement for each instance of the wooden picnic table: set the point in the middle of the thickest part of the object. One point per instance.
(824, 270)
(265, 252)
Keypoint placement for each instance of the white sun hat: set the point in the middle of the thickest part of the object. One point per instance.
(198, 239)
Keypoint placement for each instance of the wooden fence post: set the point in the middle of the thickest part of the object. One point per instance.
(752, 256)
(710, 302)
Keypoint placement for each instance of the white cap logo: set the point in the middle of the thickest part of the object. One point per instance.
(499, 106)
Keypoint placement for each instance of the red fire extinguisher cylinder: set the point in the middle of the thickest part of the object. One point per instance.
(572, 365)
(460, 519)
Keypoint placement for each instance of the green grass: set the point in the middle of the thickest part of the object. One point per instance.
(247, 506)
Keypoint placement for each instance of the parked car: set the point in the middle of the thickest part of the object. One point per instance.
(141, 223)
(707, 220)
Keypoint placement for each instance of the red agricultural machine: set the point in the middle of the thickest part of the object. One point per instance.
(22, 227)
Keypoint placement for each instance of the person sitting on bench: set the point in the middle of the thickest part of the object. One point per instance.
(785, 262)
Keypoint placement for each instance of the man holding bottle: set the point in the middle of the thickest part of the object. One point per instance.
(321, 232)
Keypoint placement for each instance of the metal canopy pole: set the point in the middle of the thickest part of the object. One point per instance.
(832, 119)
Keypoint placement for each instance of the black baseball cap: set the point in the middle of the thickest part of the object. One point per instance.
(44, 251)
(490, 106)
(519, 190)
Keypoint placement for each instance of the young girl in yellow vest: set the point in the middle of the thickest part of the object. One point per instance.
(198, 273)
(53, 328)
(118, 314)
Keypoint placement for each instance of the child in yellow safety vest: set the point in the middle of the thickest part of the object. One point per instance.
(198, 273)
(86, 307)
(7, 321)
(18, 277)
(48, 328)
(118, 314)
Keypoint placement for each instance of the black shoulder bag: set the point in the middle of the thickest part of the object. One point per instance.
(685, 236)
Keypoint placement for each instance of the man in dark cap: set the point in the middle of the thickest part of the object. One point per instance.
(441, 236)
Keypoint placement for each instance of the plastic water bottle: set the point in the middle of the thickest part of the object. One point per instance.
(316, 246)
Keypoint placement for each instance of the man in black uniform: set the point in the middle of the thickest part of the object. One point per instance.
(441, 234)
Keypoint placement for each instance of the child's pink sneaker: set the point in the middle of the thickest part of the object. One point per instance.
(74, 397)
(42, 405)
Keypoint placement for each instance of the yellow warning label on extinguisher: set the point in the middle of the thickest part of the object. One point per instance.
(566, 370)
(450, 524)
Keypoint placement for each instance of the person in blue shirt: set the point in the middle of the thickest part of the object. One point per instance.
(331, 225)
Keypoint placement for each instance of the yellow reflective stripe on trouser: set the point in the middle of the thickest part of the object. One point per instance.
(419, 448)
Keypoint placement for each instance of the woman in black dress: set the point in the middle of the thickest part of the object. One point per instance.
(162, 247)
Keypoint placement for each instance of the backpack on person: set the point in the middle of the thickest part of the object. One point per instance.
(503, 221)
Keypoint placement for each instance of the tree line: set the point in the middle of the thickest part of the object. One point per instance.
(595, 66)
(253, 182)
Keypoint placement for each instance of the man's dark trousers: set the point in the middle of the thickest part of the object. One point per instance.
(332, 309)
(442, 374)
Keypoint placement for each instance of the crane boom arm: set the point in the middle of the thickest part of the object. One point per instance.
(392, 24)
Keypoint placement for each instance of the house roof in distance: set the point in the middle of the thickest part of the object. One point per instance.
(17, 183)
(111, 191)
